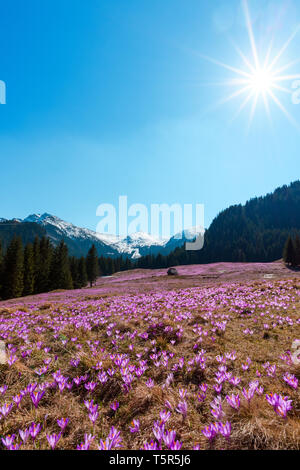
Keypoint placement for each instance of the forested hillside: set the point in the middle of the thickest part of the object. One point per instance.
(27, 231)
(256, 231)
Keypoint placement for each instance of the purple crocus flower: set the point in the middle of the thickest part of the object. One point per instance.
(291, 380)
(225, 429)
(182, 408)
(209, 432)
(17, 399)
(248, 393)
(15, 446)
(169, 405)
(158, 430)
(135, 426)
(169, 438)
(34, 430)
(63, 423)
(93, 416)
(114, 436)
(151, 446)
(280, 404)
(233, 400)
(5, 409)
(24, 435)
(90, 386)
(176, 445)
(88, 438)
(36, 397)
(112, 441)
(8, 440)
(149, 383)
(115, 405)
(3, 389)
(53, 439)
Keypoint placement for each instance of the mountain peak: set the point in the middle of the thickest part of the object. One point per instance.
(38, 218)
(80, 239)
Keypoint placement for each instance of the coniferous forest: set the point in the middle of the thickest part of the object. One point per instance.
(265, 229)
(39, 267)
(254, 232)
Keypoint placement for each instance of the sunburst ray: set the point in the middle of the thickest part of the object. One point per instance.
(260, 78)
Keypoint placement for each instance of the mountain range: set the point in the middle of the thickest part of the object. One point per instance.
(255, 231)
(79, 240)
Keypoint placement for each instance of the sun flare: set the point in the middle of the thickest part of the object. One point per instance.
(259, 78)
(261, 81)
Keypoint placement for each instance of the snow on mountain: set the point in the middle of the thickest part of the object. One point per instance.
(11, 220)
(66, 228)
(134, 245)
(179, 239)
(143, 239)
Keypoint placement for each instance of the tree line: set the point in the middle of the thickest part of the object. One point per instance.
(254, 232)
(291, 252)
(39, 267)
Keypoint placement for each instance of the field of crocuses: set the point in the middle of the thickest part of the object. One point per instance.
(206, 367)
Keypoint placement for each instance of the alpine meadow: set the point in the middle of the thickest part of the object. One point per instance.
(150, 229)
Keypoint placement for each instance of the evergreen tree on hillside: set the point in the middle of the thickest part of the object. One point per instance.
(43, 257)
(13, 270)
(29, 269)
(289, 254)
(37, 262)
(127, 264)
(102, 266)
(74, 272)
(110, 267)
(60, 274)
(92, 267)
(117, 264)
(82, 274)
(297, 250)
(78, 271)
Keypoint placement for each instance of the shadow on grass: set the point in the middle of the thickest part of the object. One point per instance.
(293, 268)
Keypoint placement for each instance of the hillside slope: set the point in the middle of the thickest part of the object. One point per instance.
(255, 232)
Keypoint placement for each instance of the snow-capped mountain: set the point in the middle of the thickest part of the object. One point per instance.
(79, 240)
(187, 235)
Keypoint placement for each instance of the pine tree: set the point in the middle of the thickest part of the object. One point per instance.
(74, 271)
(102, 266)
(78, 271)
(82, 274)
(92, 267)
(44, 258)
(29, 269)
(37, 263)
(297, 250)
(127, 264)
(117, 264)
(110, 267)
(13, 270)
(289, 255)
(60, 274)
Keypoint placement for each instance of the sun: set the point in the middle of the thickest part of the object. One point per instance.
(259, 78)
(262, 81)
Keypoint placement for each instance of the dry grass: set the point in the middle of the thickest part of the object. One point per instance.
(254, 426)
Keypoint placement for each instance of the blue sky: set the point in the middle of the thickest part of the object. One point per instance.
(109, 98)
